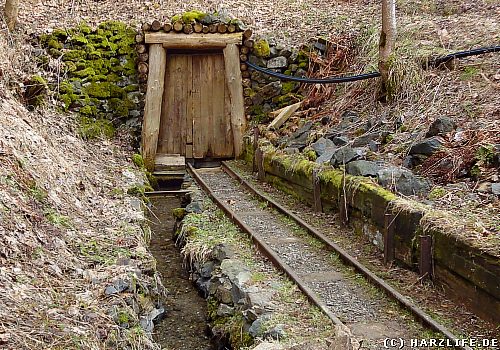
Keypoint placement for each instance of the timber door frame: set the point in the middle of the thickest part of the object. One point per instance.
(159, 44)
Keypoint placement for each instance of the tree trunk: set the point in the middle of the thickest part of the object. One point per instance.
(386, 44)
(11, 11)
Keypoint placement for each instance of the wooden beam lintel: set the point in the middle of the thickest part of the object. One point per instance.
(193, 41)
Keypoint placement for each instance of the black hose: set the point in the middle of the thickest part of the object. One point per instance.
(437, 61)
(313, 81)
(334, 80)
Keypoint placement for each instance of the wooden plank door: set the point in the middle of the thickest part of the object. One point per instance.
(196, 114)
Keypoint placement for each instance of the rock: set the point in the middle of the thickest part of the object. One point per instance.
(345, 155)
(121, 285)
(374, 146)
(291, 150)
(326, 156)
(300, 73)
(259, 298)
(427, 146)
(321, 145)
(273, 52)
(271, 90)
(250, 315)
(496, 156)
(495, 188)
(441, 126)
(363, 140)
(277, 62)
(362, 168)
(222, 251)
(255, 329)
(232, 268)
(404, 181)
(268, 346)
(157, 314)
(223, 293)
(207, 269)
(484, 187)
(276, 333)
(110, 290)
(195, 207)
(204, 286)
(225, 310)
(146, 324)
(340, 140)
(299, 138)
(258, 61)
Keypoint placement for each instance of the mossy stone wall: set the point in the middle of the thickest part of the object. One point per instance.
(264, 93)
(98, 77)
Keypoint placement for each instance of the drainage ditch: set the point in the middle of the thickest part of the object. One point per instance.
(185, 325)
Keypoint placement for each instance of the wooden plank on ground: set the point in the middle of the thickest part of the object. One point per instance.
(193, 41)
(153, 104)
(169, 162)
(284, 115)
(235, 88)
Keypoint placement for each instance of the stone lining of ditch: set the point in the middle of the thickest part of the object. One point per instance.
(235, 304)
(466, 272)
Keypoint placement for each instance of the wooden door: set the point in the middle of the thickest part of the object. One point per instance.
(196, 115)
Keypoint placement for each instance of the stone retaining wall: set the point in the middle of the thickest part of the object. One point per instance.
(466, 272)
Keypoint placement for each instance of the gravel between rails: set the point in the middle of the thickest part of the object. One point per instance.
(368, 313)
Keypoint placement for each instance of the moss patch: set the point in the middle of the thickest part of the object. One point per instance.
(91, 128)
(261, 48)
(100, 67)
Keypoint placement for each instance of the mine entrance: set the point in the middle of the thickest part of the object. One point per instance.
(194, 106)
(196, 112)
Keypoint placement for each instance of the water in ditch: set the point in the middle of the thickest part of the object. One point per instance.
(185, 324)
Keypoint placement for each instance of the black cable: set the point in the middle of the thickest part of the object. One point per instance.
(313, 81)
(335, 80)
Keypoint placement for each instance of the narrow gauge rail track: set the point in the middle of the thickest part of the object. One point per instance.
(311, 267)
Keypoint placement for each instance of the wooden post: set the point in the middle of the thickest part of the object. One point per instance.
(425, 263)
(235, 88)
(255, 147)
(259, 158)
(389, 238)
(343, 209)
(152, 109)
(318, 207)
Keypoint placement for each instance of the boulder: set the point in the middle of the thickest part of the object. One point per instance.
(271, 90)
(495, 188)
(225, 310)
(322, 145)
(403, 180)
(291, 150)
(345, 155)
(326, 156)
(276, 333)
(362, 168)
(363, 140)
(441, 126)
(340, 140)
(427, 146)
(277, 62)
